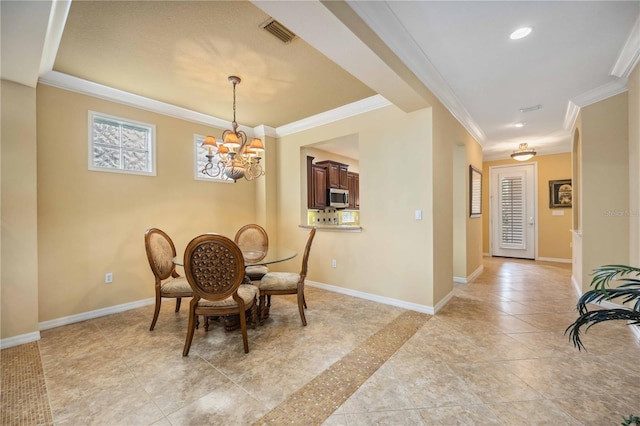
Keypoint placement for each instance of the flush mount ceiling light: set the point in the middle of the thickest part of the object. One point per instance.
(520, 124)
(520, 33)
(523, 153)
(235, 157)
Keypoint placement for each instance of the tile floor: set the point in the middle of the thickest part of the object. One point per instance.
(496, 354)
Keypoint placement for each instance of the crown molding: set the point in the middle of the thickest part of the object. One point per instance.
(345, 111)
(570, 116)
(262, 131)
(85, 87)
(600, 93)
(380, 17)
(630, 54)
(57, 20)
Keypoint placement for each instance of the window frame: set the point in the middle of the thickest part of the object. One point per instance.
(197, 171)
(151, 144)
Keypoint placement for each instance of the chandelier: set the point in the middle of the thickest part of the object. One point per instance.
(523, 153)
(234, 158)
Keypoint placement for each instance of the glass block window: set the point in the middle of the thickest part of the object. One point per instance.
(121, 145)
(200, 159)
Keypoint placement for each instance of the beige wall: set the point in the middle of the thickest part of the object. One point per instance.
(554, 232)
(413, 258)
(392, 256)
(19, 252)
(634, 166)
(604, 129)
(91, 223)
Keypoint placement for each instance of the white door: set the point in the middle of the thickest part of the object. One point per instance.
(513, 211)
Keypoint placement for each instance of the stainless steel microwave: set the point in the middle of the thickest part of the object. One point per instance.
(338, 198)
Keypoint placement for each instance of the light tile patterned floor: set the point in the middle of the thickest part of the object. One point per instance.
(496, 354)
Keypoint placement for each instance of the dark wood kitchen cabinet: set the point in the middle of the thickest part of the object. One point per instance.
(316, 185)
(337, 174)
(353, 183)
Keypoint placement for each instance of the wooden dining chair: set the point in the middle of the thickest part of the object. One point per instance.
(277, 283)
(214, 267)
(254, 244)
(168, 283)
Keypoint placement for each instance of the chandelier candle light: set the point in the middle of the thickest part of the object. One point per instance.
(523, 153)
(234, 157)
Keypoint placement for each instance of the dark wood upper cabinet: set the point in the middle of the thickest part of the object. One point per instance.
(353, 180)
(337, 174)
(316, 185)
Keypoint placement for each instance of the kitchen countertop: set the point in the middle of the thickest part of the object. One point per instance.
(343, 228)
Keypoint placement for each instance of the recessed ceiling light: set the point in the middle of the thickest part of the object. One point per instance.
(520, 33)
(520, 124)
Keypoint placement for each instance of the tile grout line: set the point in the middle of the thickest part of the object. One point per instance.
(318, 399)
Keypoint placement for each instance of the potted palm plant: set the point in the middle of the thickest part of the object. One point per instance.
(628, 290)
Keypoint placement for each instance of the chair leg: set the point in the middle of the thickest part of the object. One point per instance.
(156, 312)
(261, 309)
(243, 326)
(191, 328)
(304, 301)
(178, 301)
(301, 308)
(254, 313)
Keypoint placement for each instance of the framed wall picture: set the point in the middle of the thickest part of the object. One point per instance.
(560, 193)
(475, 192)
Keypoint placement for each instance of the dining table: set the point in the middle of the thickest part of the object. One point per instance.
(274, 254)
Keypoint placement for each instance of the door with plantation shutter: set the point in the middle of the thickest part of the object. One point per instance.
(513, 213)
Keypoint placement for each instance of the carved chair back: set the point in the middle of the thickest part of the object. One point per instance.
(214, 266)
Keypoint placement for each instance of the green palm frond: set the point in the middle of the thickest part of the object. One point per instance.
(627, 280)
(604, 274)
(630, 293)
(592, 318)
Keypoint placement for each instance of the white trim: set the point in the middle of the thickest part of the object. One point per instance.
(554, 259)
(576, 286)
(71, 319)
(630, 53)
(379, 15)
(19, 340)
(600, 93)
(85, 87)
(570, 116)
(380, 299)
(471, 277)
(441, 304)
(261, 131)
(55, 27)
(359, 107)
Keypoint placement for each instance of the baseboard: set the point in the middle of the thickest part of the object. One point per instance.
(576, 286)
(486, 254)
(471, 277)
(45, 325)
(19, 340)
(554, 259)
(380, 299)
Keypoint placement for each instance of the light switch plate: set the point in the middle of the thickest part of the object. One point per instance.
(418, 214)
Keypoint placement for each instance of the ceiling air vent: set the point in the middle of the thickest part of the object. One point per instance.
(277, 29)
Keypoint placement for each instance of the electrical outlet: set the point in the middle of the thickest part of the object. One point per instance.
(334, 263)
(108, 277)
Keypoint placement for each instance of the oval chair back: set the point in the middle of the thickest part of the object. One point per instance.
(253, 241)
(160, 253)
(168, 283)
(214, 266)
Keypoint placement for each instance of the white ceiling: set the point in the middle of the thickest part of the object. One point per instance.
(181, 52)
